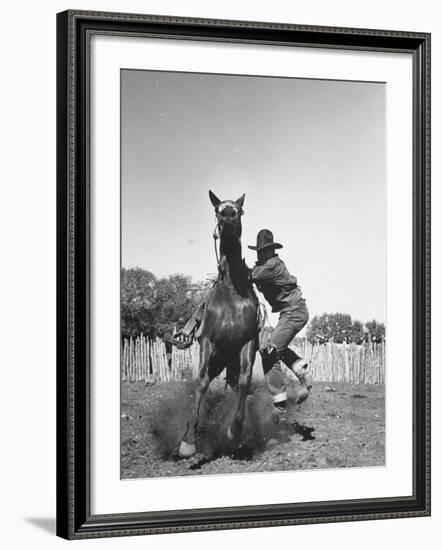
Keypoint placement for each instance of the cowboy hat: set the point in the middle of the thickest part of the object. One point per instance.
(264, 239)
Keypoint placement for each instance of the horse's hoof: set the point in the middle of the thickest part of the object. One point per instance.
(230, 435)
(186, 450)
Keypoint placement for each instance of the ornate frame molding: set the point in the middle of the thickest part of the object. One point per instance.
(74, 29)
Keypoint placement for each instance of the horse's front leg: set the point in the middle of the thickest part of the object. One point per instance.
(188, 446)
(247, 358)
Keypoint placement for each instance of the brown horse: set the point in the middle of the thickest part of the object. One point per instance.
(229, 328)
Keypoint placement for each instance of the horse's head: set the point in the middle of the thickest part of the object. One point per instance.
(228, 214)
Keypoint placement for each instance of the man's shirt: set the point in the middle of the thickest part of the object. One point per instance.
(273, 279)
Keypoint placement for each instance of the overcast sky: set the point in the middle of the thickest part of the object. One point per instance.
(308, 154)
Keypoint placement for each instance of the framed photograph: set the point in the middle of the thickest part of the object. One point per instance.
(243, 274)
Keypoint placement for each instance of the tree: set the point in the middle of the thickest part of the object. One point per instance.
(155, 306)
(330, 326)
(174, 303)
(337, 327)
(137, 301)
(357, 334)
(318, 331)
(375, 330)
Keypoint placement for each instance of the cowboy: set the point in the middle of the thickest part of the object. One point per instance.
(283, 293)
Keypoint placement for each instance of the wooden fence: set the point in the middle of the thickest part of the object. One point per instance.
(147, 360)
(353, 363)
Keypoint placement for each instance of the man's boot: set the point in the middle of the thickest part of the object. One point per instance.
(275, 383)
(298, 365)
(268, 358)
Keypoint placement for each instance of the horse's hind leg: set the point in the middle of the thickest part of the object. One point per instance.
(208, 371)
(247, 358)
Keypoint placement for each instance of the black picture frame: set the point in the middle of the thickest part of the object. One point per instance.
(74, 518)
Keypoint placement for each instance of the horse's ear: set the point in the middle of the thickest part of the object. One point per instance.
(240, 201)
(214, 199)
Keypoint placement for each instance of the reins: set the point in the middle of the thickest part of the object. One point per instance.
(265, 315)
(261, 302)
(215, 238)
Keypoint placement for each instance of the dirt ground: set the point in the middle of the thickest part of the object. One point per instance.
(340, 425)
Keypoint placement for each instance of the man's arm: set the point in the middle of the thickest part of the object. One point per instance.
(264, 273)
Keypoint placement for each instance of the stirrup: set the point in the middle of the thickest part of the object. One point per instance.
(182, 341)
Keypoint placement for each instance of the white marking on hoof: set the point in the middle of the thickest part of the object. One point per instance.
(230, 434)
(186, 449)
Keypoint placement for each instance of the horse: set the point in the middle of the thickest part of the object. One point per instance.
(229, 330)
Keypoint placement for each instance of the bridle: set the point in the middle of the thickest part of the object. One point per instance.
(215, 238)
(216, 233)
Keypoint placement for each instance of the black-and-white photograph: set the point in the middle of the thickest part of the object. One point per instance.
(253, 274)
